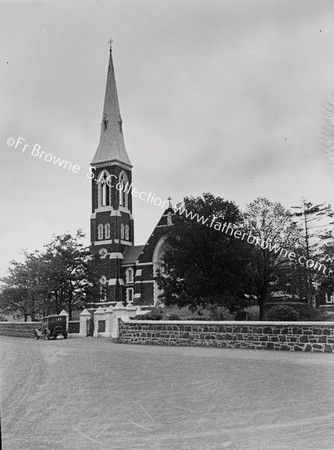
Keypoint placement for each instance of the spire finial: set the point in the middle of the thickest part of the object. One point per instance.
(169, 202)
(110, 42)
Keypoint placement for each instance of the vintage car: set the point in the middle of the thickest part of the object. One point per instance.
(52, 326)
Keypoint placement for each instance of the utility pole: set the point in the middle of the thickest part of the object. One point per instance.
(309, 213)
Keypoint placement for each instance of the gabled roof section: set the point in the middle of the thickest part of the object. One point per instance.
(160, 231)
(111, 147)
(131, 254)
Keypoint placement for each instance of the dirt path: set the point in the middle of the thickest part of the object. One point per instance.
(94, 394)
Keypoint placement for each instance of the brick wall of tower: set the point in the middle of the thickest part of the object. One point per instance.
(93, 231)
(114, 216)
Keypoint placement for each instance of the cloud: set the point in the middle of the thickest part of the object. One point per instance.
(215, 96)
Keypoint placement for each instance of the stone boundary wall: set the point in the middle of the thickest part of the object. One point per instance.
(290, 336)
(19, 329)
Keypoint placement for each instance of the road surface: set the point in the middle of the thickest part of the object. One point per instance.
(94, 394)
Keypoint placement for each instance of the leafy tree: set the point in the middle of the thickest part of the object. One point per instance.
(272, 224)
(60, 277)
(67, 266)
(22, 290)
(204, 265)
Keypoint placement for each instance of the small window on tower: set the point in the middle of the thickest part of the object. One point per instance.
(100, 231)
(127, 232)
(123, 197)
(122, 230)
(105, 189)
(107, 231)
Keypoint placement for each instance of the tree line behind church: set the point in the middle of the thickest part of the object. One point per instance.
(207, 268)
(203, 267)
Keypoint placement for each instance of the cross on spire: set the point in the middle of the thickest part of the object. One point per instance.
(110, 42)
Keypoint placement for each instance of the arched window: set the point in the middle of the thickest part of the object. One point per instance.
(100, 231)
(158, 261)
(122, 230)
(123, 196)
(158, 266)
(107, 231)
(129, 275)
(104, 188)
(127, 232)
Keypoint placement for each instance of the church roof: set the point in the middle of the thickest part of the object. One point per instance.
(111, 147)
(131, 254)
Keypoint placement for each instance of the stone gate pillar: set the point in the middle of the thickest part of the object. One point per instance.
(98, 315)
(131, 311)
(84, 316)
(109, 321)
(64, 313)
(119, 311)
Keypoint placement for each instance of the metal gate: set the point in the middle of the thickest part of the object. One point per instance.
(90, 327)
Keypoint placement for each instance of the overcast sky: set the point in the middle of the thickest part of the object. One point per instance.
(216, 96)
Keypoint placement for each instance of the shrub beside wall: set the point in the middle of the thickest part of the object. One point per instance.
(19, 329)
(281, 313)
(290, 336)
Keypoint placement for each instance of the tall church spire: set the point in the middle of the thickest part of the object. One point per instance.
(111, 147)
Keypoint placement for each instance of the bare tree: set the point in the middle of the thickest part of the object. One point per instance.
(274, 231)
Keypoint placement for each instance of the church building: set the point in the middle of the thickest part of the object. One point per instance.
(128, 271)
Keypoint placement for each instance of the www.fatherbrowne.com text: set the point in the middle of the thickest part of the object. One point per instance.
(238, 233)
(37, 152)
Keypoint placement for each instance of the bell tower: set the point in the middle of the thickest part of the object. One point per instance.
(111, 175)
